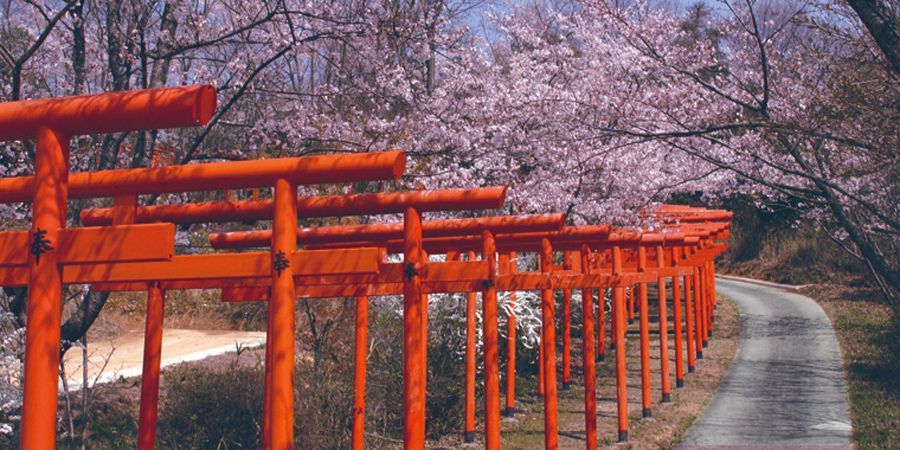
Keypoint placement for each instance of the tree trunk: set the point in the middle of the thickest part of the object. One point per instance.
(78, 47)
(882, 25)
(159, 75)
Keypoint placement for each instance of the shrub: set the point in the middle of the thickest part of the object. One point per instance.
(211, 409)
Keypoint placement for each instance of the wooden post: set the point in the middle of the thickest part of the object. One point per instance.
(601, 324)
(587, 356)
(471, 312)
(413, 341)
(676, 317)
(698, 312)
(689, 322)
(704, 304)
(153, 333)
(491, 347)
(548, 318)
(282, 306)
(360, 348)
(424, 332)
(663, 328)
(510, 409)
(621, 373)
(44, 309)
(641, 291)
(629, 296)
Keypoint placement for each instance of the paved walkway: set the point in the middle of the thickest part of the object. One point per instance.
(786, 386)
(123, 356)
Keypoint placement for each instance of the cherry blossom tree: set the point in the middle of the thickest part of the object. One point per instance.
(596, 108)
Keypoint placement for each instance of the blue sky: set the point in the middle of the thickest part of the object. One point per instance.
(476, 15)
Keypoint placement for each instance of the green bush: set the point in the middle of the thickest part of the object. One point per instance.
(211, 409)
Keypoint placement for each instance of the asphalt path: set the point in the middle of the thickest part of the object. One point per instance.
(786, 387)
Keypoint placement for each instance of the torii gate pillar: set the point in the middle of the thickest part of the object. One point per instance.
(51, 166)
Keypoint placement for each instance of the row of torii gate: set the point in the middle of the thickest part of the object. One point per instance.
(131, 248)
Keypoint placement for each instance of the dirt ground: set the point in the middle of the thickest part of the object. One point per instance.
(121, 357)
(669, 420)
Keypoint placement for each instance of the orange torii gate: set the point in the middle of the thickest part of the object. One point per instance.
(617, 244)
(339, 262)
(527, 281)
(480, 278)
(333, 205)
(704, 317)
(108, 254)
(470, 276)
(645, 379)
(52, 123)
(343, 237)
(308, 207)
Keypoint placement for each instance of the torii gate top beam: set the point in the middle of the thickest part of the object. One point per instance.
(682, 213)
(325, 206)
(113, 112)
(569, 238)
(221, 175)
(394, 231)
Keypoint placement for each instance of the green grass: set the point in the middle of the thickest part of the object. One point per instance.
(869, 335)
